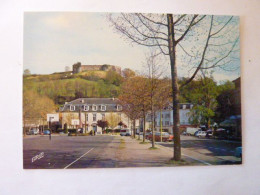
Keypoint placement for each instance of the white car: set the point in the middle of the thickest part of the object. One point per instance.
(201, 134)
(125, 132)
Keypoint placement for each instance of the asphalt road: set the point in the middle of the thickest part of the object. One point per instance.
(222, 149)
(62, 152)
(65, 152)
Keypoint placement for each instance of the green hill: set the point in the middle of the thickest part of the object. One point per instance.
(65, 86)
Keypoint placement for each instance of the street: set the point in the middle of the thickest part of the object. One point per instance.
(106, 151)
(209, 150)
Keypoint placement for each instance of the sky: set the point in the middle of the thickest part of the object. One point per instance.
(54, 40)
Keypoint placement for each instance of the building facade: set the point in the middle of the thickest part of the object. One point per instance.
(85, 112)
(165, 118)
(78, 67)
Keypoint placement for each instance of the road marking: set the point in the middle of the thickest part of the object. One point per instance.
(202, 161)
(78, 158)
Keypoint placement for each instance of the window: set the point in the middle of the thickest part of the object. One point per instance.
(103, 108)
(86, 108)
(94, 117)
(94, 108)
(167, 116)
(72, 108)
(167, 123)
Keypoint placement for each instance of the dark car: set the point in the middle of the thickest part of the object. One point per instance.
(46, 132)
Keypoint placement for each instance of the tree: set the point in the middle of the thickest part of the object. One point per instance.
(135, 99)
(128, 73)
(153, 77)
(26, 72)
(103, 124)
(35, 108)
(112, 120)
(205, 41)
(163, 97)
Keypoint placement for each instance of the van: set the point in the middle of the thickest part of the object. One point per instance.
(125, 132)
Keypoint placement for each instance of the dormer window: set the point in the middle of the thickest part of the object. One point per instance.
(86, 108)
(103, 108)
(119, 107)
(72, 108)
(94, 107)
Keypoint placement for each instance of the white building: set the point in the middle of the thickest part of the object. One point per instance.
(87, 111)
(167, 117)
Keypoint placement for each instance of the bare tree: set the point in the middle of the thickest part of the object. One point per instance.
(153, 75)
(205, 41)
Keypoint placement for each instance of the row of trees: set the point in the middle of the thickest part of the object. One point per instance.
(146, 94)
(195, 42)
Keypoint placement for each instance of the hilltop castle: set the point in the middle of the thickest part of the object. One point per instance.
(76, 68)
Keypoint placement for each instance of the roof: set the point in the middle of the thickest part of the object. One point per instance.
(110, 103)
(95, 101)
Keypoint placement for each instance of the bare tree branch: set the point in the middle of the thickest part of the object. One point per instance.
(202, 58)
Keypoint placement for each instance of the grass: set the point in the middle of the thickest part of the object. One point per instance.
(144, 142)
(122, 144)
(153, 148)
(180, 162)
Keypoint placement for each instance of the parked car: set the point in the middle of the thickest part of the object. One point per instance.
(46, 132)
(125, 132)
(201, 134)
(209, 133)
(191, 130)
(147, 134)
(157, 136)
(195, 134)
(238, 152)
(33, 131)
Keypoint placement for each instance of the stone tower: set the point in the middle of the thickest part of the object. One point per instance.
(76, 68)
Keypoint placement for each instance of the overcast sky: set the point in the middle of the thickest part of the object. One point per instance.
(55, 40)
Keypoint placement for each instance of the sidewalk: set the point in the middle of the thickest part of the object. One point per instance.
(133, 154)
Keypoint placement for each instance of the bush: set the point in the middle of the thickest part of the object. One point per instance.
(72, 130)
(59, 130)
(84, 134)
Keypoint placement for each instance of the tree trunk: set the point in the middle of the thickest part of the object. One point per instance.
(85, 122)
(152, 117)
(144, 128)
(134, 128)
(139, 130)
(175, 89)
(161, 123)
